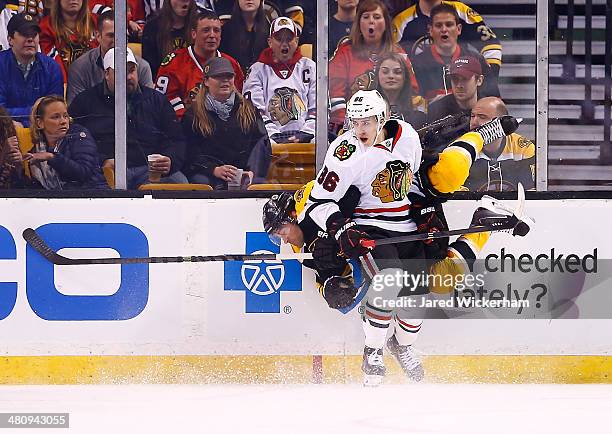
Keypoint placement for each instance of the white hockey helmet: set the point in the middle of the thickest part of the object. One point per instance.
(366, 103)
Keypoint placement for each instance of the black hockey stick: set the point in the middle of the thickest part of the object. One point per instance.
(38, 244)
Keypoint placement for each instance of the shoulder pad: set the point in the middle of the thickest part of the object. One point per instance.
(168, 59)
(344, 150)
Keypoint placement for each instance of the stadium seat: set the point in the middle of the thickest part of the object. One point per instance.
(175, 187)
(306, 50)
(136, 48)
(259, 187)
(25, 145)
(292, 163)
(109, 175)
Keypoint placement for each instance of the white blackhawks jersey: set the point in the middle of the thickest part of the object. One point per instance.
(285, 98)
(383, 173)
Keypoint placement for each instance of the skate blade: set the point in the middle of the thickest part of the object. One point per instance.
(372, 380)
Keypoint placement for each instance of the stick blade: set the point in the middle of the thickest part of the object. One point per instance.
(38, 244)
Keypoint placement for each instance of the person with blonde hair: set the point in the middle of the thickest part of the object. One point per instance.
(224, 132)
(352, 67)
(64, 155)
(68, 32)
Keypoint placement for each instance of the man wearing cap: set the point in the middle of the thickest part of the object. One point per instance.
(26, 74)
(431, 67)
(88, 70)
(152, 127)
(180, 74)
(282, 85)
(466, 77)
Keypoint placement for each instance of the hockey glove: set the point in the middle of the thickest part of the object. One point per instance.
(349, 238)
(429, 218)
(339, 292)
(325, 253)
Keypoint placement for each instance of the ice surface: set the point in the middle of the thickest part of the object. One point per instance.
(319, 409)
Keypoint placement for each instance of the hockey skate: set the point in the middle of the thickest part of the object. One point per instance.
(407, 359)
(493, 213)
(498, 128)
(373, 367)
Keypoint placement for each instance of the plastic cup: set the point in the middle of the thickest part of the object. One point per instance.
(236, 181)
(153, 175)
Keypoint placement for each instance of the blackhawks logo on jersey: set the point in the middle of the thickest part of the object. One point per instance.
(344, 150)
(393, 182)
(364, 81)
(286, 105)
(168, 59)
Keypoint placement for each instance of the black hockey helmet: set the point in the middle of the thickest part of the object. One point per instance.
(276, 212)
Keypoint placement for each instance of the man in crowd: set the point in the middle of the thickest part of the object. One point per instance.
(282, 85)
(504, 162)
(181, 72)
(410, 29)
(152, 127)
(26, 74)
(466, 77)
(340, 23)
(432, 65)
(87, 70)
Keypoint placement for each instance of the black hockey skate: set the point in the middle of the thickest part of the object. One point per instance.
(373, 366)
(407, 359)
(495, 214)
(498, 128)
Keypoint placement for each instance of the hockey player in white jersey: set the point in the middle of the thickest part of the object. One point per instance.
(282, 85)
(381, 158)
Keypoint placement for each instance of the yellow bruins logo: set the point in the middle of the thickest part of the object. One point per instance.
(393, 182)
(523, 142)
(286, 106)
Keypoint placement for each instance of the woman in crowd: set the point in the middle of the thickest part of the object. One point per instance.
(352, 67)
(245, 35)
(168, 30)
(10, 156)
(64, 156)
(68, 32)
(392, 80)
(224, 132)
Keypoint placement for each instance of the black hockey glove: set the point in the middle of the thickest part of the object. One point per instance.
(339, 292)
(325, 255)
(349, 238)
(429, 217)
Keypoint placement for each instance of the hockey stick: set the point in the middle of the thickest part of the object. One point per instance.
(38, 244)
(512, 222)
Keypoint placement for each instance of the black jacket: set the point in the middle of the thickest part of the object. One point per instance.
(152, 126)
(227, 145)
(242, 45)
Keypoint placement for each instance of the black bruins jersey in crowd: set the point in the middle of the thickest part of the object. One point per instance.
(515, 163)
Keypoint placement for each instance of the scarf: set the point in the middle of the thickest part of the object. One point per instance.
(43, 172)
(222, 109)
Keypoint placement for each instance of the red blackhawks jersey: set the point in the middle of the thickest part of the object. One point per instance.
(180, 77)
(383, 173)
(349, 73)
(64, 53)
(285, 94)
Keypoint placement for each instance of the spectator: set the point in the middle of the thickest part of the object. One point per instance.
(88, 70)
(152, 7)
(167, 31)
(26, 74)
(411, 30)
(340, 24)
(10, 155)
(282, 85)
(245, 35)
(392, 80)
(276, 8)
(502, 164)
(6, 12)
(466, 77)
(64, 156)
(224, 131)
(352, 67)
(181, 73)
(152, 127)
(432, 65)
(68, 32)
